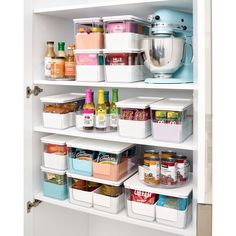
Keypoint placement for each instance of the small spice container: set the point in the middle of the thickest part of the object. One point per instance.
(134, 120)
(81, 191)
(123, 65)
(54, 183)
(89, 33)
(172, 120)
(183, 168)
(109, 198)
(55, 151)
(129, 30)
(169, 171)
(89, 65)
(58, 68)
(59, 110)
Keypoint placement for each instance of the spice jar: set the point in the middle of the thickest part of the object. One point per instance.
(182, 168)
(58, 68)
(168, 171)
(151, 168)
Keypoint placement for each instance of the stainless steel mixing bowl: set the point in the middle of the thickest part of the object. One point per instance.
(163, 56)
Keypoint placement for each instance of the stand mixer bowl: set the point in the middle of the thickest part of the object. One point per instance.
(163, 55)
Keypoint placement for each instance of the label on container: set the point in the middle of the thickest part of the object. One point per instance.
(87, 59)
(114, 120)
(47, 66)
(151, 172)
(101, 120)
(168, 173)
(70, 69)
(182, 171)
(88, 120)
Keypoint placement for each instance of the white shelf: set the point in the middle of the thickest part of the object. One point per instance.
(102, 181)
(189, 231)
(114, 136)
(141, 85)
(180, 192)
(109, 8)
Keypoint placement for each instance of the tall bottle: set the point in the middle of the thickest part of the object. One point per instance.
(114, 110)
(61, 49)
(48, 59)
(88, 111)
(106, 97)
(70, 63)
(101, 112)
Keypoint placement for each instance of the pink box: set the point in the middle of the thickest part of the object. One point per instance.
(89, 41)
(111, 172)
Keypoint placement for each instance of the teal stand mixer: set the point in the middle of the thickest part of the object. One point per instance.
(168, 52)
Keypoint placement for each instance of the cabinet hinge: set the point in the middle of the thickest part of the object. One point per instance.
(30, 204)
(35, 91)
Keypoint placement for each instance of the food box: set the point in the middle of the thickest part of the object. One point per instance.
(55, 151)
(135, 118)
(59, 110)
(124, 66)
(89, 33)
(172, 120)
(89, 65)
(54, 183)
(129, 30)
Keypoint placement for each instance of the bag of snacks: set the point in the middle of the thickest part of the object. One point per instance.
(143, 197)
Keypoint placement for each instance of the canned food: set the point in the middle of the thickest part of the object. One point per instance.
(58, 67)
(152, 170)
(169, 171)
(148, 153)
(182, 168)
(168, 153)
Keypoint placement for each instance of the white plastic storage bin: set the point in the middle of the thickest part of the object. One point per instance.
(172, 120)
(141, 205)
(89, 33)
(124, 66)
(135, 118)
(174, 216)
(59, 110)
(55, 151)
(81, 191)
(125, 32)
(111, 200)
(89, 65)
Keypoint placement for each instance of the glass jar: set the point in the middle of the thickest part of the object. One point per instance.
(58, 68)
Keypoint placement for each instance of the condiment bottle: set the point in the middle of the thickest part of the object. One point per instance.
(88, 111)
(101, 114)
(114, 110)
(48, 58)
(61, 49)
(106, 97)
(70, 63)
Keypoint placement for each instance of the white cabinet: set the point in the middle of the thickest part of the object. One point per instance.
(44, 21)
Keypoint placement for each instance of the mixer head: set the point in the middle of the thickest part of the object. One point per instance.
(170, 22)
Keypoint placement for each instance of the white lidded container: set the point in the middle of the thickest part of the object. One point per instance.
(89, 65)
(59, 110)
(125, 32)
(124, 66)
(172, 119)
(55, 151)
(135, 118)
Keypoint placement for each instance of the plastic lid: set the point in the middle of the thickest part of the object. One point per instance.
(56, 139)
(125, 17)
(172, 104)
(99, 145)
(54, 171)
(121, 50)
(77, 51)
(137, 102)
(88, 20)
(63, 98)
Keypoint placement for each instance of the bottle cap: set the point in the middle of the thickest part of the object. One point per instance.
(50, 42)
(61, 46)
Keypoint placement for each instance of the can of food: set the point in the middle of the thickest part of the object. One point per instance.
(167, 153)
(168, 171)
(58, 68)
(152, 170)
(183, 166)
(148, 153)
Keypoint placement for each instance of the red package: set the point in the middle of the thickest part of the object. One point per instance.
(143, 197)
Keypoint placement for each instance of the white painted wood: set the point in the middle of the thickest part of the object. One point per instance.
(118, 217)
(114, 136)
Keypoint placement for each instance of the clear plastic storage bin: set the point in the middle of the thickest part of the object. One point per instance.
(89, 65)
(55, 151)
(101, 159)
(54, 183)
(89, 33)
(123, 65)
(172, 119)
(81, 191)
(59, 110)
(135, 118)
(124, 32)
(109, 198)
